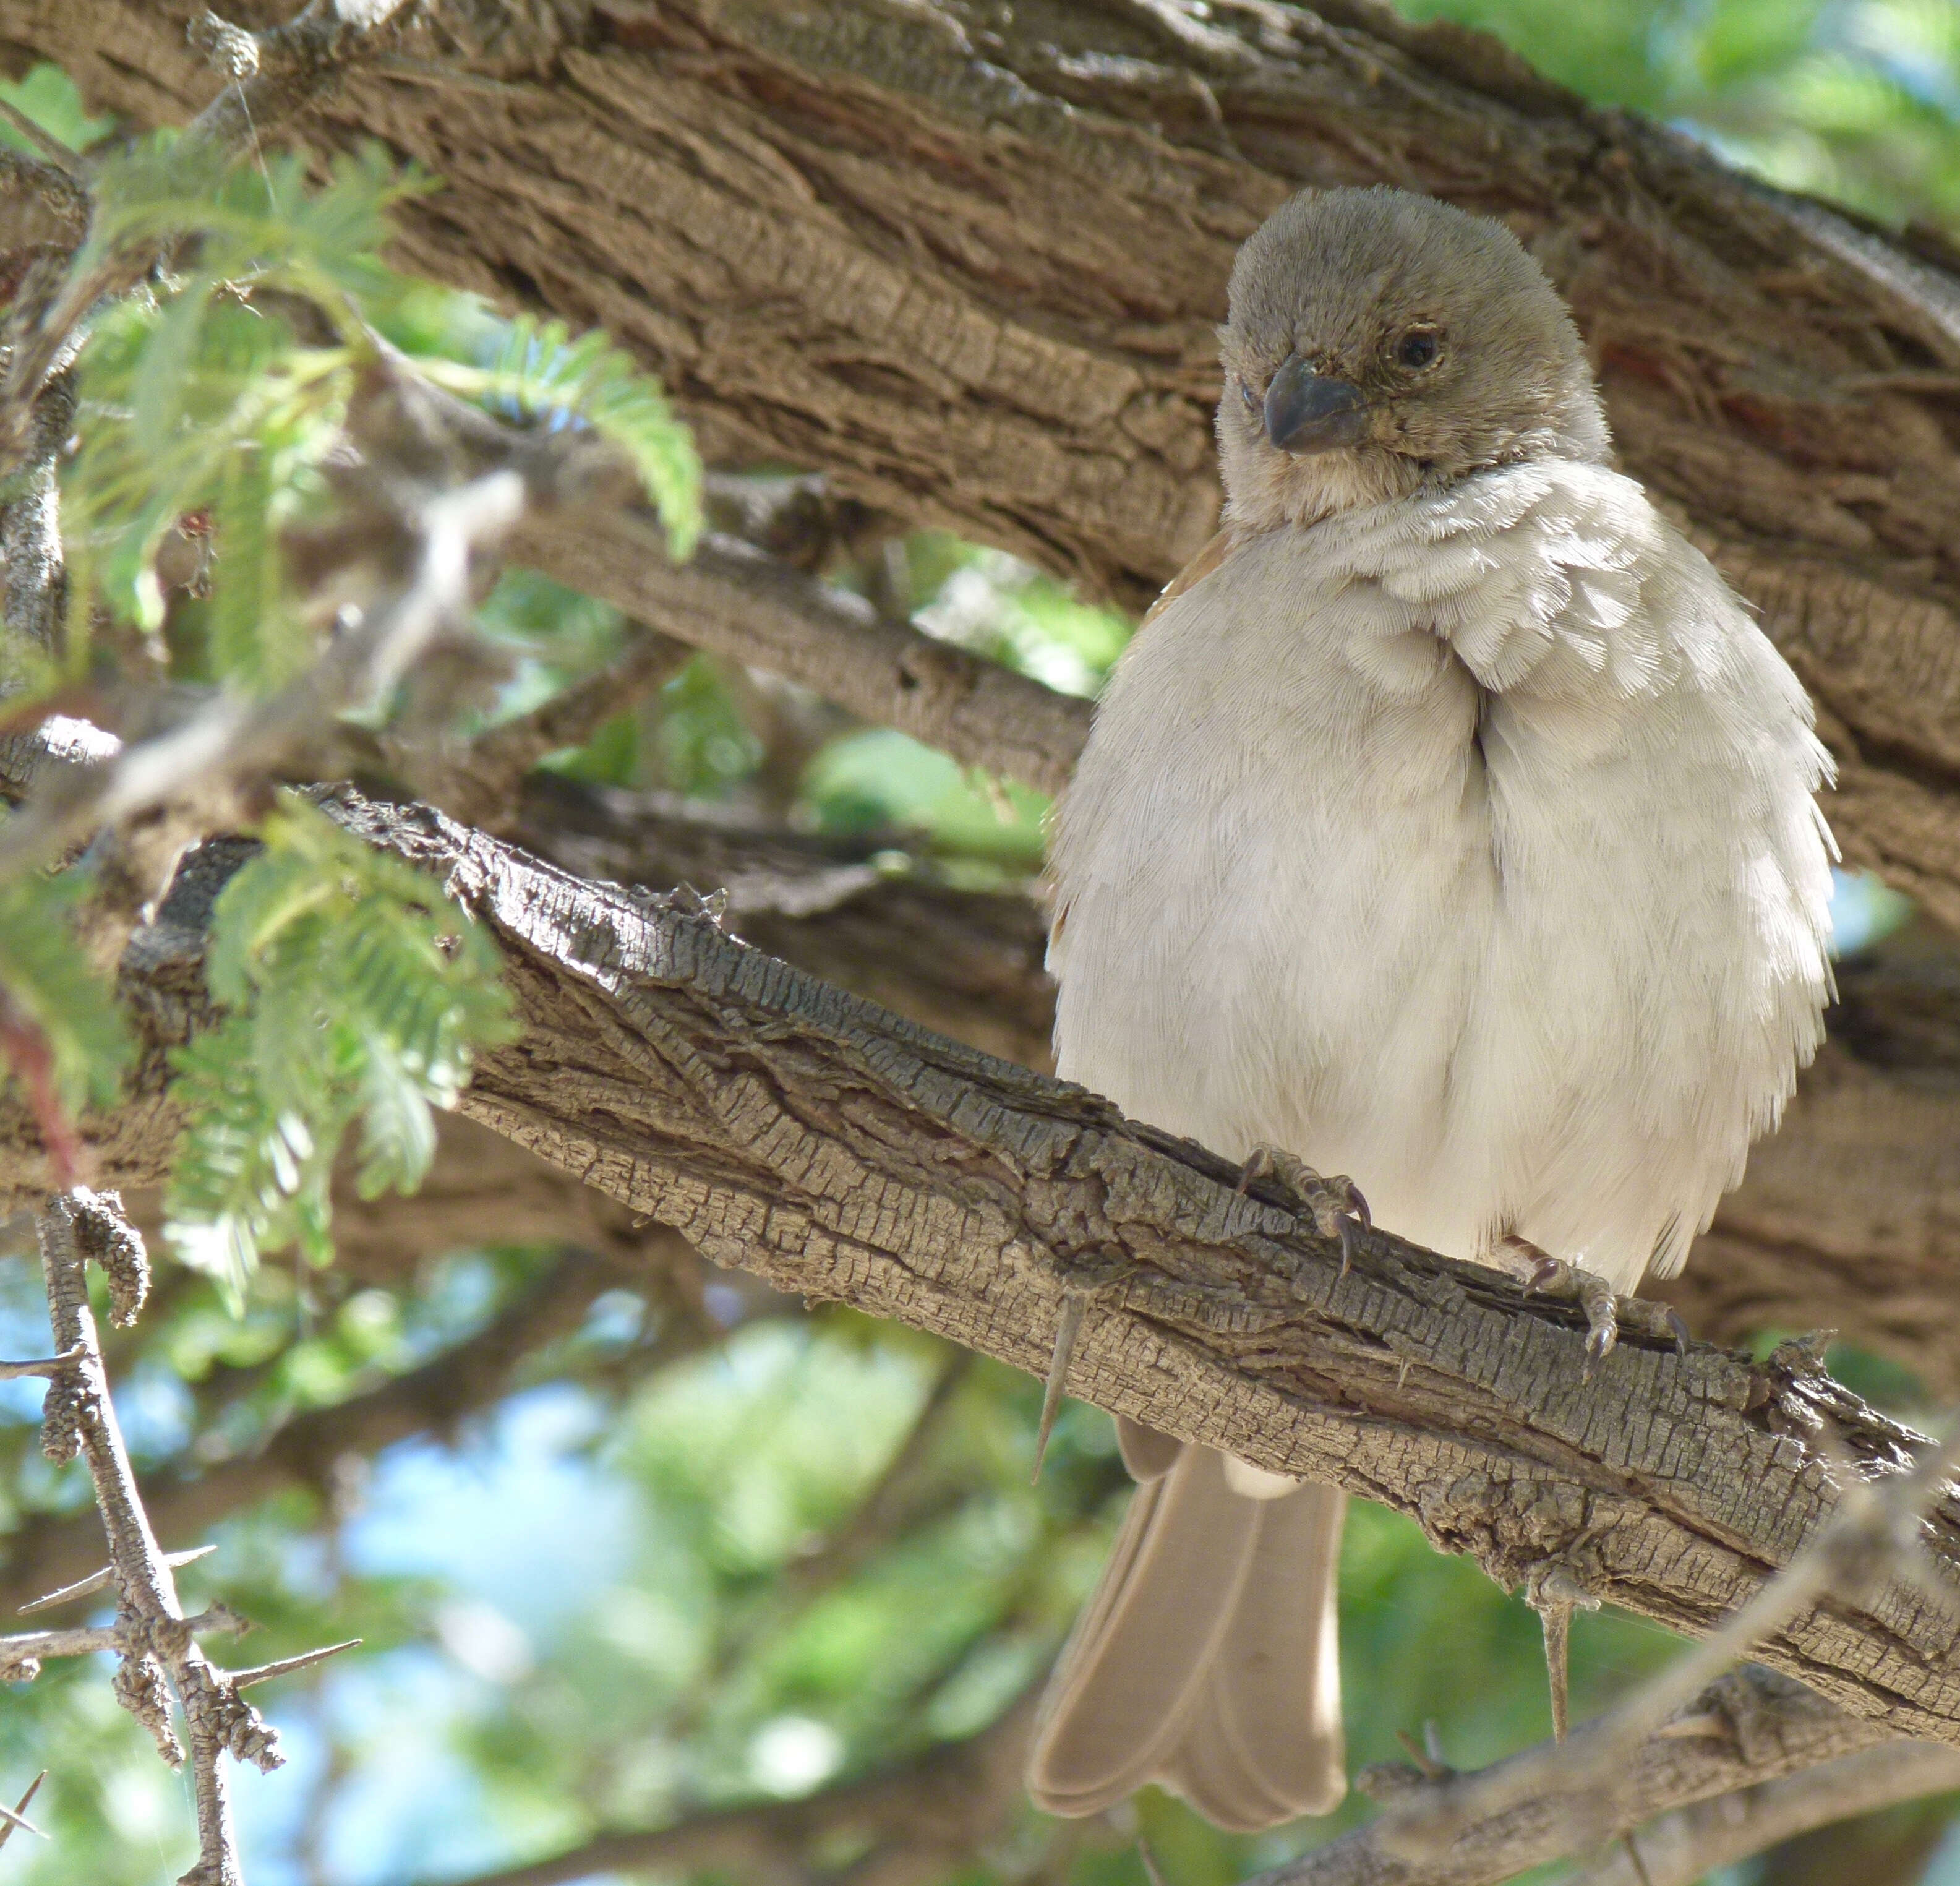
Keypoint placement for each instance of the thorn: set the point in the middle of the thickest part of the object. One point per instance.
(1708, 1726)
(1428, 1754)
(13, 1817)
(99, 1580)
(1432, 1744)
(1555, 1594)
(1152, 1871)
(1633, 1854)
(1401, 1374)
(1066, 1330)
(49, 1365)
(266, 1672)
(1557, 1621)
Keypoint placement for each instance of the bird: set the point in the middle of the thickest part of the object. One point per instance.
(1447, 845)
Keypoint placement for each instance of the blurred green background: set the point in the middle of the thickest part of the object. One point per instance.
(712, 1551)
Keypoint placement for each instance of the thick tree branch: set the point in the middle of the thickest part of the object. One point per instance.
(968, 263)
(736, 601)
(1750, 1727)
(834, 1151)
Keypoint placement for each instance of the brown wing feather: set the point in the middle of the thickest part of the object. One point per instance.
(1195, 572)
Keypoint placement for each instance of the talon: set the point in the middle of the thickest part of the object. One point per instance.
(1258, 1163)
(1359, 1206)
(1336, 1205)
(1593, 1294)
(1545, 1273)
(1602, 1322)
(1678, 1324)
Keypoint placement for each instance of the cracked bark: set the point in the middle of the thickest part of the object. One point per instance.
(966, 258)
(973, 277)
(794, 1131)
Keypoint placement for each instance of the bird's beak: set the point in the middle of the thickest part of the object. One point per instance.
(1307, 413)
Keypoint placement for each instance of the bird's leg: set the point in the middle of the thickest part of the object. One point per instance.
(1606, 1313)
(1335, 1205)
(1553, 1277)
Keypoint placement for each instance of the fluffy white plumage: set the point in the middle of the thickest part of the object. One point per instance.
(1464, 843)
(1455, 832)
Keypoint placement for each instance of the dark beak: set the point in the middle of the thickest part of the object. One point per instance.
(1306, 412)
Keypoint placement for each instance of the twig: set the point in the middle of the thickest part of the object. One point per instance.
(1692, 1842)
(21, 1654)
(289, 66)
(1874, 1530)
(482, 784)
(17, 1817)
(1753, 1726)
(42, 1365)
(150, 1628)
(232, 736)
(50, 147)
(30, 537)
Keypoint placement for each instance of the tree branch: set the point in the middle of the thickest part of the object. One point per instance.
(152, 1630)
(437, 1398)
(834, 1151)
(968, 265)
(736, 601)
(1687, 1845)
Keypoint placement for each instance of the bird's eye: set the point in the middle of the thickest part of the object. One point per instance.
(1246, 393)
(1418, 348)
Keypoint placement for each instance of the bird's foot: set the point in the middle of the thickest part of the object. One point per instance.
(1606, 1315)
(1335, 1205)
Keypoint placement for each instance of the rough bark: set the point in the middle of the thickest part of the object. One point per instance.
(1845, 1221)
(967, 257)
(968, 265)
(792, 1131)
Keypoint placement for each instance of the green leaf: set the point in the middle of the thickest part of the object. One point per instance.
(539, 368)
(52, 981)
(355, 993)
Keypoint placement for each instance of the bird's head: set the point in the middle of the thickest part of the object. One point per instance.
(1378, 341)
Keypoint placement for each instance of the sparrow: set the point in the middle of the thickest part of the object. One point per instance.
(1448, 828)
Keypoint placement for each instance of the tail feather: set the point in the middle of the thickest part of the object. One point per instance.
(1206, 1660)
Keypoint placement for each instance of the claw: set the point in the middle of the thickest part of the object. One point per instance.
(1593, 1294)
(1336, 1205)
(1066, 1330)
